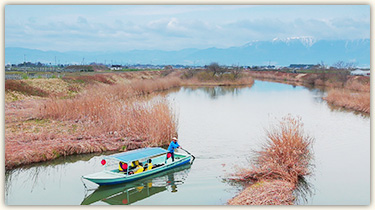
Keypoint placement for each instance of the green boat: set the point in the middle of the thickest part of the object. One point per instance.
(156, 155)
(125, 194)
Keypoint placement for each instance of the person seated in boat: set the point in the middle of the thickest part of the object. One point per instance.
(139, 168)
(123, 167)
(134, 164)
(148, 165)
(172, 146)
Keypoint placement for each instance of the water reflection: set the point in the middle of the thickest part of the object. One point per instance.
(339, 109)
(34, 174)
(304, 191)
(217, 91)
(125, 194)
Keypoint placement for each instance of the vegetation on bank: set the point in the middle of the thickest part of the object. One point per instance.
(276, 169)
(94, 112)
(344, 90)
(359, 101)
(216, 75)
(100, 117)
(49, 118)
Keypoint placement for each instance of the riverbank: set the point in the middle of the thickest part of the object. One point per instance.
(277, 169)
(343, 90)
(51, 118)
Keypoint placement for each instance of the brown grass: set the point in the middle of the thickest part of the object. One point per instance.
(90, 79)
(100, 118)
(285, 156)
(359, 101)
(95, 113)
(24, 88)
(205, 78)
(260, 194)
(351, 92)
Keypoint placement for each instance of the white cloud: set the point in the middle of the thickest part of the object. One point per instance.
(174, 26)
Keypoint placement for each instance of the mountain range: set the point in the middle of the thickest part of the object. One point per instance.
(279, 52)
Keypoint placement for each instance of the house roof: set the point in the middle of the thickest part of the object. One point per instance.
(138, 154)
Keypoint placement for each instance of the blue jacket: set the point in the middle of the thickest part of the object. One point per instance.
(172, 146)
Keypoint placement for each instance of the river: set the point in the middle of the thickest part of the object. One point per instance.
(220, 126)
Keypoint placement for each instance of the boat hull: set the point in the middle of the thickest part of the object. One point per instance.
(111, 178)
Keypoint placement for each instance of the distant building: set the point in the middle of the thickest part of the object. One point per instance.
(301, 66)
(116, 67)
(360, 72)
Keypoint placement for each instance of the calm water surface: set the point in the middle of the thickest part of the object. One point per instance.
(220, 126)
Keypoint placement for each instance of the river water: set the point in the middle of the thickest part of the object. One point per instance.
(220, 126)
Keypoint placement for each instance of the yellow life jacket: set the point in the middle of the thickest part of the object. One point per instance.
(139, 169)
(149, 166)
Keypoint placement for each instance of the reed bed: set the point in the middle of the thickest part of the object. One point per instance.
(286, 157)
(119, 109)
(359, 101)
(242, 81)
(102, 117)
(97, 113)
(358, 84)
(204, 78)
(260, 194)
(351, 92)
(281, 76)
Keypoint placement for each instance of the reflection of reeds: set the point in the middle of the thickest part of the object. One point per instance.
(359, 101)
(277, 168)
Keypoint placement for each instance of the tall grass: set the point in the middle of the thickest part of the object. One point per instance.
(102, 117)
(119, 109)
(281, 193)
(359, 101)
(201, 77)
(286, 156)
(358, 85)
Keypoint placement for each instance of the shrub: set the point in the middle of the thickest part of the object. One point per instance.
(286, 155)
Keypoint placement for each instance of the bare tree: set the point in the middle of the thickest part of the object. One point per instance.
(322, 65)
(215, 69)
(343, 65)
(236, 71)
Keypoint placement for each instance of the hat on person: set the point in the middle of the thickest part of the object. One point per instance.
(174, 138)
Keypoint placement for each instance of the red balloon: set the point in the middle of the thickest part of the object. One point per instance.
(169, 155)
(103, 162)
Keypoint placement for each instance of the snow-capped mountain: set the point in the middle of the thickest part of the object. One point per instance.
(307, 41)
(279, 51)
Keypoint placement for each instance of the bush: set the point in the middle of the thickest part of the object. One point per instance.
(286, 155)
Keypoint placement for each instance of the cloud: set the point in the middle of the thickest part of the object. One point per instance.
(173, 26)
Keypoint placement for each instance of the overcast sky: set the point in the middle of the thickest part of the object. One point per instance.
(175, 27)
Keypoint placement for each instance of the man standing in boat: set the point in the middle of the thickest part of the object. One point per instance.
(172, 146)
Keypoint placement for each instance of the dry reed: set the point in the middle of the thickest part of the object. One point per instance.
(260, 194)
(100, 118)
(286, 157)
(117, 109)
(359, 101)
